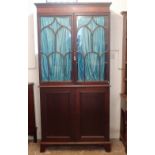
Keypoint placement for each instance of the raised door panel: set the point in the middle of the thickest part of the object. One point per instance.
(93, 106)
(57, 106)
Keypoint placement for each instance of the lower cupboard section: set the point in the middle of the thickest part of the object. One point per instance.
(75, 115)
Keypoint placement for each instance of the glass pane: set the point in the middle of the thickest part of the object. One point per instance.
(56, 62)
(91, 48)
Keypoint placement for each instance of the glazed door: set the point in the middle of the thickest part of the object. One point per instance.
(56, 48)
(92, 48)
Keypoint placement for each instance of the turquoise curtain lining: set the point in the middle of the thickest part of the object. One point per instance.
(56, 49)
(91, 48)
(56, 52)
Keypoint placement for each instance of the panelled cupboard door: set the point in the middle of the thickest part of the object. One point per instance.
(93, 115)
(58, 109)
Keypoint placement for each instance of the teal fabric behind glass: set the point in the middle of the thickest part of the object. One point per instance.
(91, 48)
(56, 62)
